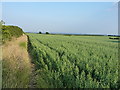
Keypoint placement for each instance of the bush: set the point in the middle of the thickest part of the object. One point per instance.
(40, 32)
(47, 32)
(10, 31)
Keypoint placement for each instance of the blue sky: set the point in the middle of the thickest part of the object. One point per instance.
(63, 17)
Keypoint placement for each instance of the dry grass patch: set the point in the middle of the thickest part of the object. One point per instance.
(16, 64)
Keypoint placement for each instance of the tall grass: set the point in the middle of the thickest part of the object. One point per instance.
(16, 64)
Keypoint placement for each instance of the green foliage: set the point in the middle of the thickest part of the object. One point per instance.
(47, 32)
(75, 62)
(40, 32)
(14, 77)
(2, 22)
(23, 44)
(10, 31)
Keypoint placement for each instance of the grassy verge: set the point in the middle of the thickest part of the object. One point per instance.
(16, 64)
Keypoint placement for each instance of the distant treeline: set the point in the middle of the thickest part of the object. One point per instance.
(87, 35)
(77, 34)
(70, 34)
(114, 35)
(10, 31)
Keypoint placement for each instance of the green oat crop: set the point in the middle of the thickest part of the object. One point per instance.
(74, 61)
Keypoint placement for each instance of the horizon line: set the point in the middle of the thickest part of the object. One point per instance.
(74, 33)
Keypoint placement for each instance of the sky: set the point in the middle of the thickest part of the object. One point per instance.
(62, 17)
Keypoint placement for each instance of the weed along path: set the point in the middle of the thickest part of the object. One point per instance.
(17, 67)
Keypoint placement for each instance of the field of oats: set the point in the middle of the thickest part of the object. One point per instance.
(58, 61)
(74, 61)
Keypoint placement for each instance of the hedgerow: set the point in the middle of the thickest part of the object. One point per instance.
(10, 31)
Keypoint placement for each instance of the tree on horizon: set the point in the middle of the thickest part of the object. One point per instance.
(47, 33)
(40, 32)
(2, 22)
